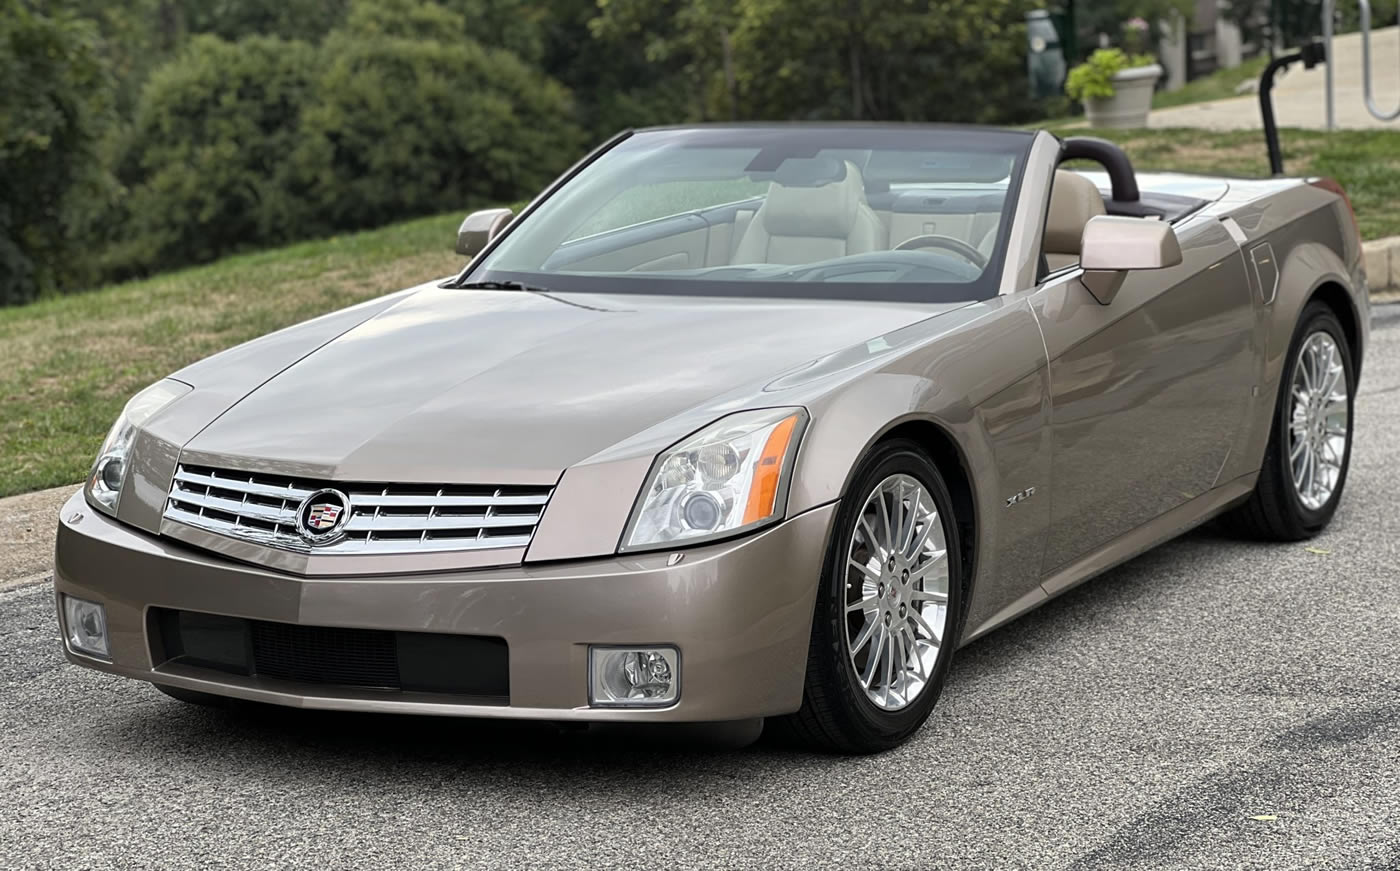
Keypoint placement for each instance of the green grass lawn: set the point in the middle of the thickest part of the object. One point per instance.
(67, 365)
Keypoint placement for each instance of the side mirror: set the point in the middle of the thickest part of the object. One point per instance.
(1113, 247)
(479, 229)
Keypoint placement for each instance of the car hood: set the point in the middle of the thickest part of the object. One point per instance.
(472, 386)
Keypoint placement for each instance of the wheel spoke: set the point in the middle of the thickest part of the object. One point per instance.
(899, 675)
(865, 633)
(889, 666)
(916, 547)
(918, 657)
(864, 604)
(1298, 448)
(872, 541)
(918, 573)
(1332, 377)
(906, 541)
(885, 520)
(897, 533)
(1335, 461)
(869, 573)
(877, 649)
(918, 620)
(929, 596)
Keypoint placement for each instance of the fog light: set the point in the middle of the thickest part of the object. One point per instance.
(633, 677)
(86, 626)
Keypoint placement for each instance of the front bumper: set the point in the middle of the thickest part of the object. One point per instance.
(739, 612)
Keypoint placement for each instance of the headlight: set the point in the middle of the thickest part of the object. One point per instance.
(104, 486)
(730, 476)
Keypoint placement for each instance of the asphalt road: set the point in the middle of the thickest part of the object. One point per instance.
(1212, 704)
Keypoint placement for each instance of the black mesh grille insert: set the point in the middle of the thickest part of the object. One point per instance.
(318, 654)
(373, 659)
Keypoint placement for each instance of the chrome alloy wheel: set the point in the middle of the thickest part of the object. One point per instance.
(896, 592)
(1317, 442)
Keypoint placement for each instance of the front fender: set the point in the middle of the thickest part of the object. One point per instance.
(982, 388)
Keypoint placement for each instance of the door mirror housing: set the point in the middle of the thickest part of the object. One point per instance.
(1113, 246)
(479, 229)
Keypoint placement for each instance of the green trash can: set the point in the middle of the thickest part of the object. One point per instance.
(1045, 56)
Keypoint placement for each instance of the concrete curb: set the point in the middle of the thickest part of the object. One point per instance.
(28, 523)
(1382, 264)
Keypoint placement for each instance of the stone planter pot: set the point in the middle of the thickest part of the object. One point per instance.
(1130, 103)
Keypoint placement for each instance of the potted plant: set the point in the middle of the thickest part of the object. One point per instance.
(1115, 87)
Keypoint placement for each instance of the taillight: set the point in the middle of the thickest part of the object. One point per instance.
(1333, 186)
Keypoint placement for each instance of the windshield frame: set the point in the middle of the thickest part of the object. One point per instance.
(1017, 143)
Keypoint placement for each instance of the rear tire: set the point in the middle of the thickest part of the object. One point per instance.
(890, 598)
(1293, 501)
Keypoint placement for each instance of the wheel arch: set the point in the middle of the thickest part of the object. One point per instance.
(948, 457)
(1334, 296)
(955, 463)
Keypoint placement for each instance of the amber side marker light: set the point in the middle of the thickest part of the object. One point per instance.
(763, 491)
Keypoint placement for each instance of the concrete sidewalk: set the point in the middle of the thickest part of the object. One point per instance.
(28, 523)
(1300, 95)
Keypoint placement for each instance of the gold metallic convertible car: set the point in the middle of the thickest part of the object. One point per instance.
(730, 423)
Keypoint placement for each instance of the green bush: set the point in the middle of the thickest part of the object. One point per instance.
(53, 107)
(206, 159)
(263, 141)
(403, 127)
(1094, 78)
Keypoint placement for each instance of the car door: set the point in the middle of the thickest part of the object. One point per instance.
(1148, 393)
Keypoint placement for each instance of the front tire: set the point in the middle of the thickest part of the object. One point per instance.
(1305, 465)
(888, 613)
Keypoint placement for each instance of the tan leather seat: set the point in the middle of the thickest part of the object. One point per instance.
(804, 224)
(1073, 201)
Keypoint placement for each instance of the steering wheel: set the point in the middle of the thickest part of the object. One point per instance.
(947, 243)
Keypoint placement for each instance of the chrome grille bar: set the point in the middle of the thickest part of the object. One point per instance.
(383, 518)
(244, 484)
(370, 523)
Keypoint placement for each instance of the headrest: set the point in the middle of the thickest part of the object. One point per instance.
(1073, 201)
(813, 206)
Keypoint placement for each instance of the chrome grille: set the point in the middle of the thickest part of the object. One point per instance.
(384, 518)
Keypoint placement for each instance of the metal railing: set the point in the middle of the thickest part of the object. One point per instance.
(1329, 8)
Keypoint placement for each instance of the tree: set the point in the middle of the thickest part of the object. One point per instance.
(910, 60)
(53, 109)
(614, 82)
(517, 26)
(407, 126)
(231, 20)
(206, 159)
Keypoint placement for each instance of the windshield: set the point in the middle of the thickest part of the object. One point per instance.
(860, 212)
